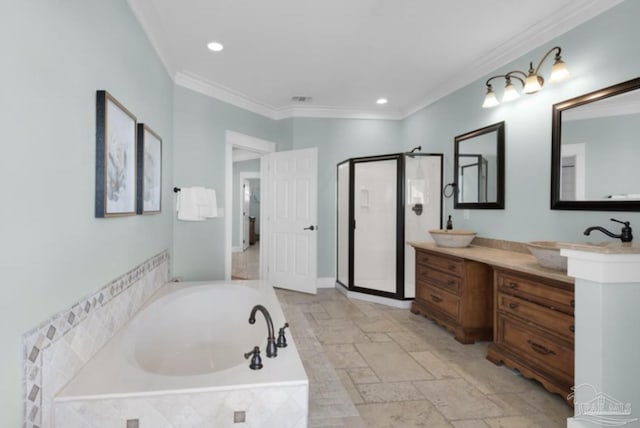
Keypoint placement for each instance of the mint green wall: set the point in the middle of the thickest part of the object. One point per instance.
(597, 57)
(338, 140)
(200, 124)
(53, 251)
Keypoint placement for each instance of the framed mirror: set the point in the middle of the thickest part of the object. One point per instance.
(595, 150)
(479, 168)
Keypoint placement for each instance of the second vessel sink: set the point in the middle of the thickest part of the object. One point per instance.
(547, 253)
(455, 238)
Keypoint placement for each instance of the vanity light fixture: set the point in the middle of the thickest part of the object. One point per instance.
(215, 46)
(531, 81)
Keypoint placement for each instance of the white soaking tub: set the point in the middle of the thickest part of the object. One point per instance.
(180, 363)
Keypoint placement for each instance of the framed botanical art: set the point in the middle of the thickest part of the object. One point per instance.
(149, 196)
(115, 158)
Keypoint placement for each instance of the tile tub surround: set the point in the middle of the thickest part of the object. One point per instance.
(376, 366)
(55, 351)
(116, 385)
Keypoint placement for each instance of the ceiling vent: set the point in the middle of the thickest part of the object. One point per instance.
(299, 99)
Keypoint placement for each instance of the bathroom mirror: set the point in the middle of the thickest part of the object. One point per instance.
(595, 150)
(479, 168)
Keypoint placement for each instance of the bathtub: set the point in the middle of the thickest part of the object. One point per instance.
(180, 363)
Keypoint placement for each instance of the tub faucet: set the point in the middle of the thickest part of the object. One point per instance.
(272, 350)
(625, 233)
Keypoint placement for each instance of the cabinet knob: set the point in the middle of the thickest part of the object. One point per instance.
(572, 328)
(452, 267)
(573, 303)
(513, 285)
(451, 282)
(513, 305)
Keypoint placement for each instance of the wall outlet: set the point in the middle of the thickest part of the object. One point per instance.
(466, 214)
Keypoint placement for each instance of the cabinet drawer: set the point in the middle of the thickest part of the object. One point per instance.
(540, 292)
(440, 299)
(550, 319)
(438, 278)
(533, 345)
(445, 264)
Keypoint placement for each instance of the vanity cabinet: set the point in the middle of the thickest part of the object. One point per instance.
(534, 328)
(455, 293)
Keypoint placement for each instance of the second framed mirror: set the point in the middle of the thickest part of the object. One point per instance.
(479, 168)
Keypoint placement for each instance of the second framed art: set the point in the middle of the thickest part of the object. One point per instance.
(149, 196)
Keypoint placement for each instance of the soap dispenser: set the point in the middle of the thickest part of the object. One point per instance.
(449, 224)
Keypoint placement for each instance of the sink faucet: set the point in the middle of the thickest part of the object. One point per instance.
(625, 234)
(272, 350)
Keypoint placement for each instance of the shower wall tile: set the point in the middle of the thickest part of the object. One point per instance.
(278, 406)
(54, 351)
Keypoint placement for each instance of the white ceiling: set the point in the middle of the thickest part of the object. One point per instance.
(347, 53)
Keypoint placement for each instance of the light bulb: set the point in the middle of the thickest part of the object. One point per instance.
(490, 99)
(559, 71)
(510, 92)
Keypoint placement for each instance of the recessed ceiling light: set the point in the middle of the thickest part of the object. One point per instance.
(381, 101)
(215, 46)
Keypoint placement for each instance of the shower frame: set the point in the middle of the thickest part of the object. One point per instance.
(401, 207)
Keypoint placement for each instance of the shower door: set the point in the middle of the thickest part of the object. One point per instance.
(375, 216)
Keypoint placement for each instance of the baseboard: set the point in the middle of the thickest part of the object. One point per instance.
(236, 249)
(325, 282)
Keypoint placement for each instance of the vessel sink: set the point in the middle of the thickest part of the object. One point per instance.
(547, 253)
(455, 238)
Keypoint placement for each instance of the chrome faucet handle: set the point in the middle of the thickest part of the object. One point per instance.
(256, 360)
(282, 340)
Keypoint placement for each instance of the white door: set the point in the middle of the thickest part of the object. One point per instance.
(246, 205)
(290, 212)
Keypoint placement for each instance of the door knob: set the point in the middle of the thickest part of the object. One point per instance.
(312, 227)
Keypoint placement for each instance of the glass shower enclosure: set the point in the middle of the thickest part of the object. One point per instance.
(383, 202)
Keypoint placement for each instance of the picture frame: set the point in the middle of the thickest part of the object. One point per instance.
(149, 185)
(115, 158)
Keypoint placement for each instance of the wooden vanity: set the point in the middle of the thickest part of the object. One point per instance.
(483, 293)
(455, 293)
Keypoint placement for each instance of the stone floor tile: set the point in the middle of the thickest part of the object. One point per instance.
(388, 391)
(391, 363)
(344, 355)
(410, 341)
(438, 368)
(490, 378)
(378, 324)
(406, 414)
(378, 337)
(470, 423)
(347, 382)
(528, 421)
(362, 375)
(457, 399)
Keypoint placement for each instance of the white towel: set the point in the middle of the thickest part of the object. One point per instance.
(209, 208)
(188, 203)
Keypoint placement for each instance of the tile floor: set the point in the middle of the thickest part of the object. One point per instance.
(245, 264)
(375, 366)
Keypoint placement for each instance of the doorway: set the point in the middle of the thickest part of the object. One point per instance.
(245, 261)
(250, 148)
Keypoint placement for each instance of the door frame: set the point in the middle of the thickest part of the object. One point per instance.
(241, 141)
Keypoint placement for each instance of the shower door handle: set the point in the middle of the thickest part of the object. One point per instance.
(311, 228)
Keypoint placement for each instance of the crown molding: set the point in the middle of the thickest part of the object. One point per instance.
(222, 93)
(569, 17)
(328, 112)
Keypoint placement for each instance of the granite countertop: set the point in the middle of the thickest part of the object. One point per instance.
(604, 247)
(508, 259)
